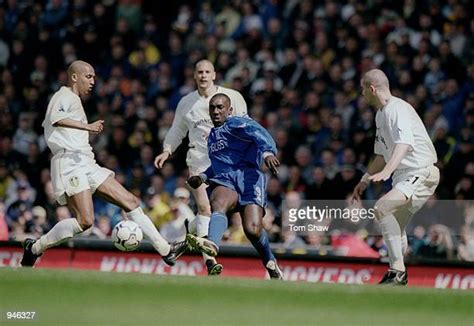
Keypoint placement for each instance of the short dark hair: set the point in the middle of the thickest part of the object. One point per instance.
(227, 98)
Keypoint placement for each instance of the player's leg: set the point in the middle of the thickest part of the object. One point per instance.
(112, 191)
(419, 187)
(81, 205)
(202, 221)
(252, 220)
(385, 208)
(223, 199)
(70, 186)
(203, 216)
(403, 217)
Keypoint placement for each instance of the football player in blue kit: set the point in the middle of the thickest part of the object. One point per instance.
(237, 148)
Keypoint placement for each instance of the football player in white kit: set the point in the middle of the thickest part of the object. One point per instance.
(404, 149)
(76, 175)
(192, 116)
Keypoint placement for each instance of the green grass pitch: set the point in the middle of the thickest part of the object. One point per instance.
(71, 297)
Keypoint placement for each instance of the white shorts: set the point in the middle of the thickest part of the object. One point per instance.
(418, 185)
(75, 172)
(197, 162)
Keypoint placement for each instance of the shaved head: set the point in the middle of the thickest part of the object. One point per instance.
(204, 62)
(204, 76)
(76, 67)
(376, 78)
(80, 77)
(375, 88)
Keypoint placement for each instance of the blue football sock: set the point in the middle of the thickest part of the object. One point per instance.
(263, 247)
(217, 227)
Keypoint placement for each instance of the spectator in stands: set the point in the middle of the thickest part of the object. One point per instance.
(439, 244)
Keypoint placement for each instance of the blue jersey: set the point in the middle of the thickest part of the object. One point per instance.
(238, 144)
(236, 152)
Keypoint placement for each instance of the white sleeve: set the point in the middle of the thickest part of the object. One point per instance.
(239, 105)
(401, 127)
(60, 110)
(177, 132)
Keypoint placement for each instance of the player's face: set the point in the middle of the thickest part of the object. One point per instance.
(219, 110)
(85, 80)
(204, 75)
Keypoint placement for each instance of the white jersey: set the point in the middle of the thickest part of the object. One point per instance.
(192, 115)
(66, 104)
(398, 123)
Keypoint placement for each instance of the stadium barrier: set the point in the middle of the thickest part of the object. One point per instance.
(242, 261)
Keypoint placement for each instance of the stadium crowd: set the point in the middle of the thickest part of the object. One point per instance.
(297, 64)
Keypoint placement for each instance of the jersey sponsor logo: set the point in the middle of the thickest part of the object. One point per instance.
(201, 122)
(74, 181)
(217, 146)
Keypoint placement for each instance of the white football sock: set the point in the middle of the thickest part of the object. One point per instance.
(150, 231)
(404, 243)
(62, 231)
(202, 225)
(192, 226)
(393, 239)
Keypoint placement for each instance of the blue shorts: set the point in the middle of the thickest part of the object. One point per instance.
(250, 185)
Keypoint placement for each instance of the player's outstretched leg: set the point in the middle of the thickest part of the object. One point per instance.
(112, 191)
(252, 221)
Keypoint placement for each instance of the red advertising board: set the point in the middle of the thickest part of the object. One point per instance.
(294, 270)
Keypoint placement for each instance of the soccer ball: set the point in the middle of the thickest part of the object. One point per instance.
(127, 235)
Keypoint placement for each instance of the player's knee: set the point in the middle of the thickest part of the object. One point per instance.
(252, 230)
(380, 211)
(218, 205)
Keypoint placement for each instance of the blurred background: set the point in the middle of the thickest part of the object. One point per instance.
(296, 62)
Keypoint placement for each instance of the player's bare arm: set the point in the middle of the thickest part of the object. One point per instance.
(95, 127)
(399, 152)
(375, 167)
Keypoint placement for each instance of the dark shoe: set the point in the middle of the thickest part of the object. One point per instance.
(29, 258)
(176, 250)
(202, 244)
(213, 267)
(394, 277)
(273, 270)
